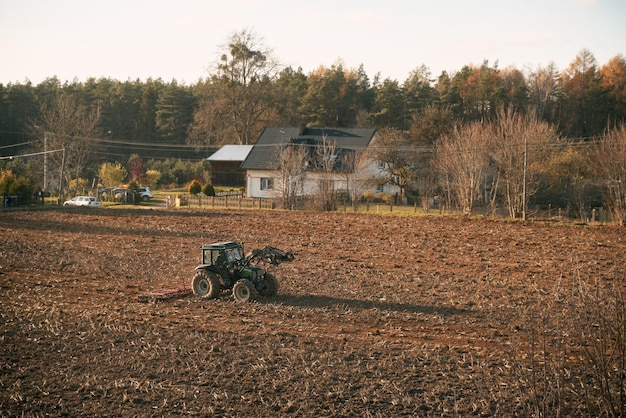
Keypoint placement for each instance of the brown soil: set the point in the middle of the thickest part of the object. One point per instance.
(377, 315)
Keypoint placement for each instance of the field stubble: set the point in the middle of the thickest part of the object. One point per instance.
(377, 316)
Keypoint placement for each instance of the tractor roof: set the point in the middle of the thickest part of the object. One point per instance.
(221, 245)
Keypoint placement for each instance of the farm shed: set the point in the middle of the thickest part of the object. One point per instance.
(225, 165)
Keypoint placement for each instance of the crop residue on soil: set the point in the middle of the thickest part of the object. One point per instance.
(376, 316)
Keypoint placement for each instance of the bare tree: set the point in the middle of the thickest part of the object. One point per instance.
(400, 157)
(354, 166)
(291, 169)
(67, 125)
(610, 162)
(521, 144)
(325, 161)
(427, 184)
(463, 155)
(427, 127)
(543, 86)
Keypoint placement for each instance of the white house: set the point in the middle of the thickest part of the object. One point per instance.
(346, 169)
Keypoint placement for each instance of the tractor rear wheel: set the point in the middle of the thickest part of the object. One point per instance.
(206, 284)
(244, 291)
(269, 285)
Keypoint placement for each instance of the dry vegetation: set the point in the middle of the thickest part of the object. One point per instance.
(377, 316)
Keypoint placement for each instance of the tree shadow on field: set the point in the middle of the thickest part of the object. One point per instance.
(314, 301)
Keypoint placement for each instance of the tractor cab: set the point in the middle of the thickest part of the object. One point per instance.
(218, 253)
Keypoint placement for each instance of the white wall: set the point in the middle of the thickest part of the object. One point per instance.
(253, 183)
(312, 181)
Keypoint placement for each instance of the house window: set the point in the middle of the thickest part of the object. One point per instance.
(379, 188)
(381, 165)
(267, 183)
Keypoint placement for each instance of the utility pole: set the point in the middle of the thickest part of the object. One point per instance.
(524, 181)
(61, 179)
(45, 163)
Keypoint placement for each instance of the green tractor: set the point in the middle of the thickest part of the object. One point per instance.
(224, 267)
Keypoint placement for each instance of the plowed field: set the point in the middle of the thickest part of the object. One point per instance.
(376, 316)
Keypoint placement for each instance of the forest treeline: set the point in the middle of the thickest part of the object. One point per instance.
(425, 121)
(156, 118)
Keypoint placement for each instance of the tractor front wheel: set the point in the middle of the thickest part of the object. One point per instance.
(205, 285)
(244, 291)
(269, 285)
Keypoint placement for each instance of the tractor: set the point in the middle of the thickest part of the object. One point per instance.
(224, 267)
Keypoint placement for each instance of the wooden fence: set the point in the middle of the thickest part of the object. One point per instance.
(230, 200)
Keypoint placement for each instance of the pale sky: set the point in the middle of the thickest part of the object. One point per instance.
(140, 39)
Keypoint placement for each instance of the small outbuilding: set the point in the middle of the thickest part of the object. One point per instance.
(225, 165)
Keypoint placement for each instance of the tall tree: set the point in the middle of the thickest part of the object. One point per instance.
(363, 97)
(418, 90)
(174, 112)
(473, 93)
(514, 89)
(147, 101)
(18, 108)
(584, 107)
(290, 88)
(613, 80)
(545, 92)
(333, 97)
(389, 107)
(448, 91)
(241, 88)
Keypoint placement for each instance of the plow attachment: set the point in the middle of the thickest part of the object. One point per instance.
(270, 255)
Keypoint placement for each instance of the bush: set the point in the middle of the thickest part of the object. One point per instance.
(13, 185)
(208, 190)
(194, 187)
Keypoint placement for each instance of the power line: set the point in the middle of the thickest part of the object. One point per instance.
(10, 157)
(20, 144)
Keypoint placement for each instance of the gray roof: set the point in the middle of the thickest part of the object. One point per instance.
(231, 153)
(272, 140)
